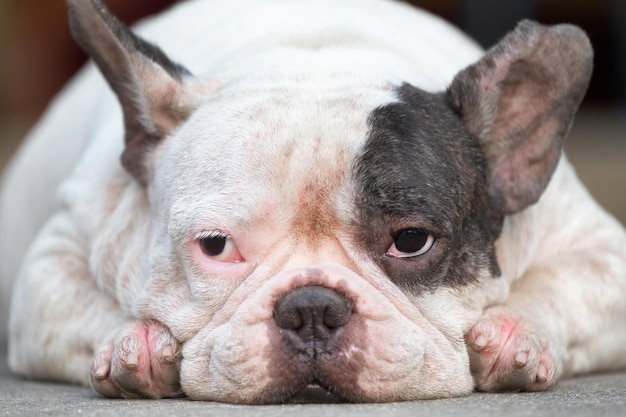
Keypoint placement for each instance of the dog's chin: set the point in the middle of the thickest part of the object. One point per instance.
(315, 393)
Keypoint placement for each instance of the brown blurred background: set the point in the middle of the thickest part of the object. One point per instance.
(37, 56)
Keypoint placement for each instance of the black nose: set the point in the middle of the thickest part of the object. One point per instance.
(312, 312)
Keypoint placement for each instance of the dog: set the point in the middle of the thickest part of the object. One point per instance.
(340, 195)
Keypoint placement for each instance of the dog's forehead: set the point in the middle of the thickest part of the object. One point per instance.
(295, 140)
(297, 151)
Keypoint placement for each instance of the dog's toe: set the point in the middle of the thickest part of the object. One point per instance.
(100, 372)
(506, 354)
(142, 361)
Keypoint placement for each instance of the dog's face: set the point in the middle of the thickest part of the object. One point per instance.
(331, 229)
(304, 232)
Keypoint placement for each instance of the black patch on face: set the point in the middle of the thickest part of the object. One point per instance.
(420, 168)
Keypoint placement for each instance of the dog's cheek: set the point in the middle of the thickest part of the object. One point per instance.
(219, 366)
(228, 361)
(454, 310)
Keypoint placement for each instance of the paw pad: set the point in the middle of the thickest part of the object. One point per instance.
(140, 362)
(507, 354)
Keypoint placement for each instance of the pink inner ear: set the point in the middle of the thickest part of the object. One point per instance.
(154, 97)
(520, 100)
(165, 102)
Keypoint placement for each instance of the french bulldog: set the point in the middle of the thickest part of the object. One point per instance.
(340, 195)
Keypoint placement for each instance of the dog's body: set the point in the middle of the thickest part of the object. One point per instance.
(331, 199)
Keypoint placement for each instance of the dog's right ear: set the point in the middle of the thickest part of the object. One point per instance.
(154, 92)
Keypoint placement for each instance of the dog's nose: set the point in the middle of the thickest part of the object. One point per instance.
(312, 312)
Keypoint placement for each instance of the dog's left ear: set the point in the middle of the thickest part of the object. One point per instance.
(153, 91)
(519, 100)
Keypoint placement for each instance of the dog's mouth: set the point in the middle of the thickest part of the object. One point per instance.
(316, 393)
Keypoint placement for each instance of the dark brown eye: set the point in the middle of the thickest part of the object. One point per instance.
(213, 245)
(411, 242)
(219, 247)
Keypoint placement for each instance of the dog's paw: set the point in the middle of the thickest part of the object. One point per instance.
(506, 354)
(141, 361)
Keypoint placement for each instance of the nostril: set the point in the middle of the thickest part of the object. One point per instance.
(312, 311)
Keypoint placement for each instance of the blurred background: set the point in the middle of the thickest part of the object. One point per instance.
(37, 56)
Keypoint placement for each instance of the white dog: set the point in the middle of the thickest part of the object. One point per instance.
(344, 194)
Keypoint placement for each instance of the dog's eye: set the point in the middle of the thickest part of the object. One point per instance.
(411, 242)
(219, 247)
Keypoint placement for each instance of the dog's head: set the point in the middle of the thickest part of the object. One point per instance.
(327, 227)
